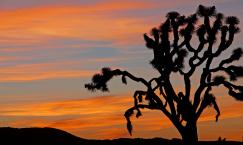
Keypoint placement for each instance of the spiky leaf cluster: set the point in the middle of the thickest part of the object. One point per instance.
(99, 81)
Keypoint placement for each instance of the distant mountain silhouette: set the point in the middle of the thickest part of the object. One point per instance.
(52, 136)
(37, 136)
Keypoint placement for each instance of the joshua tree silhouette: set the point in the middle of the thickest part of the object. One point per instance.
(184, 108)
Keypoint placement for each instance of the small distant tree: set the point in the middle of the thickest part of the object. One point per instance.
(172, 47)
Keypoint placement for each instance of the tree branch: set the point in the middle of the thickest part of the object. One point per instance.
(208, 100)
(99, 81)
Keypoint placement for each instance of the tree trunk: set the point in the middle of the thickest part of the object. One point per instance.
(189, 134)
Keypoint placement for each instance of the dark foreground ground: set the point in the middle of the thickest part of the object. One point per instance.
(51, 136)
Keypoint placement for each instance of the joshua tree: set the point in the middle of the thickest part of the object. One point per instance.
(184, 108)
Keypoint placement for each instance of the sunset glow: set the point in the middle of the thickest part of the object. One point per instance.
(50, 49)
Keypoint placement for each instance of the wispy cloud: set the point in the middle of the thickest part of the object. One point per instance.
(49, 42)
(40, 71)
(87, 22)
(57, 30)
(102, 115)
(75, 107)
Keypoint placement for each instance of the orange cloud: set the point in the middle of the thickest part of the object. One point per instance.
(75, 107)
(102, 116)
(50, 70)
(32, 26)
(7, 58)
(230, 112)
(40, 71)
(97, 21)
(36, 28)
(98, 117)
(85, 114)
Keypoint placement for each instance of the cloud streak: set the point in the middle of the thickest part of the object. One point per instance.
(55, 41)
(40, 71)
(100, 115)
(87, 22)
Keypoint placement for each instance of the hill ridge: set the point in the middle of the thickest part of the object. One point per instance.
(53, 136)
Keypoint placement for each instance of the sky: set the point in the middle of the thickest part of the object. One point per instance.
(49, 49)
